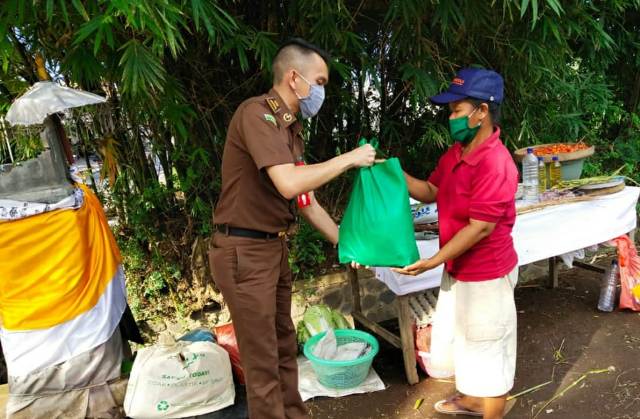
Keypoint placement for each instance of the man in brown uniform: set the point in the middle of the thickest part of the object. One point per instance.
(249, 255)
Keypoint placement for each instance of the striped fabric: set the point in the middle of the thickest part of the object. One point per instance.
(62, 288)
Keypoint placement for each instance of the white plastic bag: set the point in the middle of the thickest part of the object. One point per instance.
(351, 351)
(326, 347)
(568, 258)
(443, 333)
(179, 379)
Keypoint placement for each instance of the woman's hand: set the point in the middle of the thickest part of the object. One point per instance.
(417, 268)
(356, 265)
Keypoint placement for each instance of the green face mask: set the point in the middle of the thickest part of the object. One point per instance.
(460, 130)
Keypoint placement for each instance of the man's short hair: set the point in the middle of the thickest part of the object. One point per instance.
(294, 54)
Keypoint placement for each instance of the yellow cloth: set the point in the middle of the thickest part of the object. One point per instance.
(55, 266)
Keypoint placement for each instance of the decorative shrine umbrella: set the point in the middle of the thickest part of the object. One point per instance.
(45, 98)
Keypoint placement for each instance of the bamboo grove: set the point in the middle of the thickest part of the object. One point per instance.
(175, 70)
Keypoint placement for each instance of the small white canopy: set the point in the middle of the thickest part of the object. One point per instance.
(45, 98)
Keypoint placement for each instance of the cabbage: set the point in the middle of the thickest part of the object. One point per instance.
(302, 333)
(339, 321)
(318, 319)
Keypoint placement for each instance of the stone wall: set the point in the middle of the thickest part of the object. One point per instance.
(335, 291)
(42, 179)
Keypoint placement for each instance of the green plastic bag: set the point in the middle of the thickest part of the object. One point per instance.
(377, 227)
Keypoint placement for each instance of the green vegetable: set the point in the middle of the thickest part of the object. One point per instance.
(339, 321)
(576, 183)
(317, 319)
(302, 333)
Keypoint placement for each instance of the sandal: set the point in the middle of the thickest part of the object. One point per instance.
(459, 410)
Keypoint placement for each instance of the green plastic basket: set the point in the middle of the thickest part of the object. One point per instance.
(342, 374)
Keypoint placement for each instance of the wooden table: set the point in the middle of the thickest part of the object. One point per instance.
(405, 341)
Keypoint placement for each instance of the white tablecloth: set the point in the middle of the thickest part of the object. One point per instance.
(542, 234)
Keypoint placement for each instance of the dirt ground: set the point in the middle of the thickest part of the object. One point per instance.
(561, 336)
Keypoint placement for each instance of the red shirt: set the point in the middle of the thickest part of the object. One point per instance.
(481, 185)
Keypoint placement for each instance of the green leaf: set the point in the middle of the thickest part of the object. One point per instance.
(65, 12)
(523, 7)
(81, 65)
(215, 19)
(556, 32)
(49, 10)
(21, 10)
(100, 26)
(77, 4)
(142, 71)
(343, 70)
(555, 5)
(265, 49)
(242, 57)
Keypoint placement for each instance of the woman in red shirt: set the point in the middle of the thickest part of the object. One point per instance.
(474, 186)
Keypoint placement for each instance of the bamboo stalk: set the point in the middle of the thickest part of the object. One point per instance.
(6, 139)
(529, 390)
(572, 385)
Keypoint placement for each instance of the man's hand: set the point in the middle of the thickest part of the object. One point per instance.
(417, 268)
(291, 180)
(363, 156)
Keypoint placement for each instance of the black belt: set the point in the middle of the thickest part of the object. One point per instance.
(245, 232)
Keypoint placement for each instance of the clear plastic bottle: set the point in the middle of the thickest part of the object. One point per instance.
(608, 288)
(530, 177)
(555, 172)
(542, 176)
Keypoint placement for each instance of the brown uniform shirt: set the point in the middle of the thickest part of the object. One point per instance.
(263, 132)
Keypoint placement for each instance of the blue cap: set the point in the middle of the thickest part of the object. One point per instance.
(474, 83)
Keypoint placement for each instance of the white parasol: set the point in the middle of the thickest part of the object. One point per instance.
(45, 98)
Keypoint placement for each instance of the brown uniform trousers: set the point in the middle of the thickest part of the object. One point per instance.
(255, 279)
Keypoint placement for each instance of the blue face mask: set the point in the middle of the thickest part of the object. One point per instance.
(310, 105)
